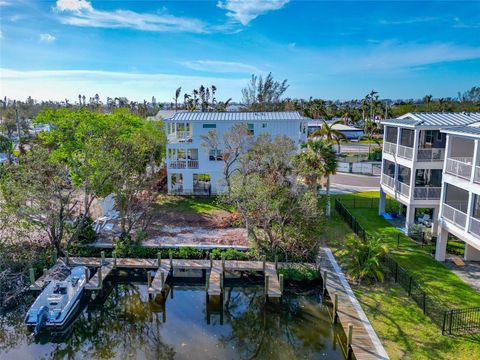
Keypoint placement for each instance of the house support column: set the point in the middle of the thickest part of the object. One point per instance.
(435, 213)
(471, 253)
(441, 248)
(410, 216)
(382, 202)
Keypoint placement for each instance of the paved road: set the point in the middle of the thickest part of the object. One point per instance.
(363, 148)
(351, 183)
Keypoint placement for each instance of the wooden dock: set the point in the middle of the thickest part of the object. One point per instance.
(365, 343)
(165, 267)
(42, 281)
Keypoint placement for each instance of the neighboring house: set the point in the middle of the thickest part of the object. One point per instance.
(460, 197)
(350, 132)
(413, 159)
(192, 169)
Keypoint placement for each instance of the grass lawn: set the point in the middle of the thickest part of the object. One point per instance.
(401, 325)
(189, 204)
(444, 284)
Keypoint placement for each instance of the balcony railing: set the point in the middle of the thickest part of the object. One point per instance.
(403, 189)
(431, 154)
(460, 167)
(183, 164)
(179, 137)
(389, 148)
(427, 193)
(455, 216)
(475, 226)
(388, 181)
(405, 152)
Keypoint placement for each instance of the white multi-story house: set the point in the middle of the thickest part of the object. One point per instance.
(460, 197)
(413, 160)
(192, 169)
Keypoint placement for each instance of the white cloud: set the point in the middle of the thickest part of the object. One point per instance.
(221, 66)
(61, 84)
(408, 21)
(47, 38)
(82, 13)
(245, 11)
(4, 3)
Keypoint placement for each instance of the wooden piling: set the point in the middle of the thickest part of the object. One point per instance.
(349, 339)
(223, 262)
(32, 276)
(87, 275)
(171, 260)
(100, 281)
(281, 283)
(159, 259)
(207, 281)
(162, 277)
(45, 272)
(335, 308)
(102, 261)
(325, 275)
(276, 261)
(114, 260)
(54, 256)
(211, 260)
(149, 278)
(264, 262)
(221, 282)
(66, 257)
(266, 286)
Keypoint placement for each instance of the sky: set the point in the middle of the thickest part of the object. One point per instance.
(52, 50)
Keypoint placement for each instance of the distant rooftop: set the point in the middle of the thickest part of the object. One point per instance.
(432, 119)
(235, 116)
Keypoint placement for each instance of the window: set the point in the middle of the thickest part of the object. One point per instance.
(209, 126)
(264, 125)
(251, 129)
(439, 136)
(215, 155)
(429, 137)
(428, 177)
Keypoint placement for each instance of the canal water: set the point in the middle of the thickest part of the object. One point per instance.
(126, 324)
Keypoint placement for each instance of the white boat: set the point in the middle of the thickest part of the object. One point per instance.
(58, 301)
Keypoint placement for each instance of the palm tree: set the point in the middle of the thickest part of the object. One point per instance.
(177, 95)
(363, 258)
(329, 133)
(317, 160)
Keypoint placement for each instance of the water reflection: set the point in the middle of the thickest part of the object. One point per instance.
(126, 324)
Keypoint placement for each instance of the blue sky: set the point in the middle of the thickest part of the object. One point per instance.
(331, 50)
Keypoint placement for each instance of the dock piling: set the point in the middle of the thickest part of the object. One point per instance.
(211, 260)
(66, 257)
(45, 272)
(223, 262)
(162, 278)
(159, 259)
(325, 275)
(114, 260)
(349, 339)
(266, 286)
(149, 278)
(171, 259)
(335, 308)
(276, 261)
(221, 282)
(54, 256)
(281, 283)
(87, 275)
(207, 280)
(264, 261)
(100, 281)
(32, 276)
(102, 261)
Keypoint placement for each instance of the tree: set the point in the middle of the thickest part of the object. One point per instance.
(317, 159)
(177, 95)
(263, 94)
(363, 258)
(330, 133)
(38, 190)
(234, 144)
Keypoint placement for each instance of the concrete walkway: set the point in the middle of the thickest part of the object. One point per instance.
(470, 273)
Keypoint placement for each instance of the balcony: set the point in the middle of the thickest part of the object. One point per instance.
(427, 193)
(460, 167)
(405, 152)
(183, 164)
(430, 155)
(388, 181)
(389, 148)
(455, 216)
(179, 138)
(474, 226)
(403, 189)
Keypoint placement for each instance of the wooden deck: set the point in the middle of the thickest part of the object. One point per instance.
(365, 344)
(40, 283)
(216, 269)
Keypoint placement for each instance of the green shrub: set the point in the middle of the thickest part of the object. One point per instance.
(299, 273)
(88, 234)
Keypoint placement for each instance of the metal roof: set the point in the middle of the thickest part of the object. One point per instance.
(435, 119)
(470, 131)
(235, 116)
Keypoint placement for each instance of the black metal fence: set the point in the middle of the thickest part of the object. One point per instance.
(451, 321)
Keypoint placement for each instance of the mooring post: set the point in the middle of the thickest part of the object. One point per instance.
(114, 260)
(171, 260)
(100, 281)
(162, 277)
(266, 286)
(102, 261)
(221, 282)
(223, 262)
(349, 339)
(207, 280)
(325, 275)
(149, 278)
(159, 259)
(281, 283)
(87, 275)
(211, 261)
(32, 276)
(335, 308)
(66, 257)
(264, 261)
(276, 261)
(45, 273)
